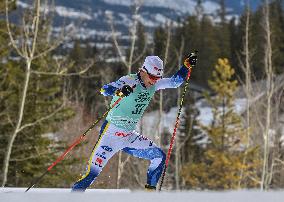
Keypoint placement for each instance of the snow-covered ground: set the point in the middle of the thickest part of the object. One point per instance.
(94, 195)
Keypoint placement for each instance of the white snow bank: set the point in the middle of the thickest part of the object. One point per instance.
(118, 196)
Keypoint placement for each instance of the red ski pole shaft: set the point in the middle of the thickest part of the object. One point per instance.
(76, 142)
(175, 129)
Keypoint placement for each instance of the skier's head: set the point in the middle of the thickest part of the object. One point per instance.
(152, 70)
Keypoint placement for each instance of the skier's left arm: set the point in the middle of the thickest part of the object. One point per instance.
(124, 84)
(179, 77)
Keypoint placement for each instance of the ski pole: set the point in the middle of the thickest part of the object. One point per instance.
(176, 126)
(76, 142)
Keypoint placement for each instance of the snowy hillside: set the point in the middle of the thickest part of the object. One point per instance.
(62, 195)
(89, 16)
(184, 6)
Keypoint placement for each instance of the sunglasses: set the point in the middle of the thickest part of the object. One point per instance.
(152, 77)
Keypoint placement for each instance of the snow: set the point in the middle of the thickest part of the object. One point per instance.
(147, 22)
(240, 105)
(161, 19)
(180, 5)
(151, 120)
(61, 11)
(64, 195)
(125, 19)
(206, 116)
(85, 33)
(71, 13)
(22, 4)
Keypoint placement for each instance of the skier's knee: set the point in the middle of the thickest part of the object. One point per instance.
(162, 155)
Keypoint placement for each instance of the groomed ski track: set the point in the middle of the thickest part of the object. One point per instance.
(124, 195)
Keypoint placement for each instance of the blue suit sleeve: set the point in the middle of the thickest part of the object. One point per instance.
(111, 88)
(108, 90)
(173, 82)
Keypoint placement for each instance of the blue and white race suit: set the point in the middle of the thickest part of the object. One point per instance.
(118, 131)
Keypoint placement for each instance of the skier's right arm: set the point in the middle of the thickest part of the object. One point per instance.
(114, 88)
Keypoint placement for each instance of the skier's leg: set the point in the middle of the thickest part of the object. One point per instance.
(142, 147)
(106, 146)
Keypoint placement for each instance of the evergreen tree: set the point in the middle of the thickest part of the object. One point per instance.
(220, 166)
(160, 39)
(84, 88)
(235, 47)
(5, 117)
(223, 32)
(256, 44)
(36, 147)
(206, 56)
(277, 29)
(141, 43)
(276, 18)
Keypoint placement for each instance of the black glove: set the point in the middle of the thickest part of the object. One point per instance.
(190, 60)
(124, 91)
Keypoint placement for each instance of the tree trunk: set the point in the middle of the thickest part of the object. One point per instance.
(19, 123)
(269, 93)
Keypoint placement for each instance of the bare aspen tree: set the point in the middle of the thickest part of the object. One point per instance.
(246, 67)
(277, 175)
(26, 51)
(279, 103)
(269, 93)
(275, 143)
(27, 46)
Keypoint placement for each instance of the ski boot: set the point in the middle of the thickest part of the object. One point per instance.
(150, 188)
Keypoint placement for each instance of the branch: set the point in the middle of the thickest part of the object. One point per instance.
(169, 26)
(59, 41)
(41, 119)
(25, 35)
(113, 34)
(63, 74)
(9, 31)
(121, 166)
(133, 31)
(280, 161)
(35, 25)
(141, 55)
(32, 157)
(51, 48)
(138, 180)
(254, 179)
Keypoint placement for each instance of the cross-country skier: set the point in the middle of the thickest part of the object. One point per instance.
(118, 131)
